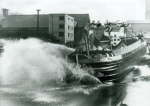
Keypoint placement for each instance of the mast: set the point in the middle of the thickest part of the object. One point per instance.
(87, 27)
(108, 27)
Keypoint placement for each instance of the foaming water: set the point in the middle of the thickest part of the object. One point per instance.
(33, 61)
(145, 57)
(138, 92)
(144, 70)
(26, 64)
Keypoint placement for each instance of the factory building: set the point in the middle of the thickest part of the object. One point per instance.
(58, 28)
(62, 27)
(24, 26)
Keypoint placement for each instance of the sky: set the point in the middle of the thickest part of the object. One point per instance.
(98, 9)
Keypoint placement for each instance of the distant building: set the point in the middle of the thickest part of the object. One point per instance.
(1, 17)
(147, 9)
(80, 33)
(23, 26)
(5, 12)
(62, 27)
(81, 19)
(140, 25)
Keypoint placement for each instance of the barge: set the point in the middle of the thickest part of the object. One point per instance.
(109, 58)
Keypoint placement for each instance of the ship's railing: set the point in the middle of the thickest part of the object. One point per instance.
(111, 59)
(107, 57)
(127, 49)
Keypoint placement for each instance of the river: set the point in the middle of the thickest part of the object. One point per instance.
(32, 73)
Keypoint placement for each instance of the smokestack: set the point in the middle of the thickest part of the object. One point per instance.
(5, 12)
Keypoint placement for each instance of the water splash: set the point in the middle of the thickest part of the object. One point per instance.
(144, 70)
(146, 57)
(138, 94)
(33, 61)
(44, 98)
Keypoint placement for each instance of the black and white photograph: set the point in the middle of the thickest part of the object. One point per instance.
(75, 53)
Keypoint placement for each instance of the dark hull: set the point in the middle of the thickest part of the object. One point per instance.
(117, 70)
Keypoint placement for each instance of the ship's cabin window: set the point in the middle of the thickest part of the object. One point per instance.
(82, 57)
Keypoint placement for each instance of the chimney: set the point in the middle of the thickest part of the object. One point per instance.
(5, 12)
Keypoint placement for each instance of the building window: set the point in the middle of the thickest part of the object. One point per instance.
(61, 34)
(70, 28)
(61, 18)
(61, 26)
(70, 35)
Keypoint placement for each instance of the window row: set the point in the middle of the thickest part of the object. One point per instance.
(61, 34)
(70, 28)
(62, 26)
(62, 18)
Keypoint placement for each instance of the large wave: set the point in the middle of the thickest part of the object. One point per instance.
(32, 61)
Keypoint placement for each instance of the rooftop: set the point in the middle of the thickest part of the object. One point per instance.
(138, 21)
(24, 21)
(31, 20)
(81, 19)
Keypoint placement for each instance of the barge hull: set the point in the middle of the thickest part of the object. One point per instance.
(117, 70)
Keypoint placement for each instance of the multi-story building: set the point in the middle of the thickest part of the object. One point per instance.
(3, 14)
(62, 27)
(82, 20)
(24, 26)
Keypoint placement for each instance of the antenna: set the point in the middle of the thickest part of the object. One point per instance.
(38, 20)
